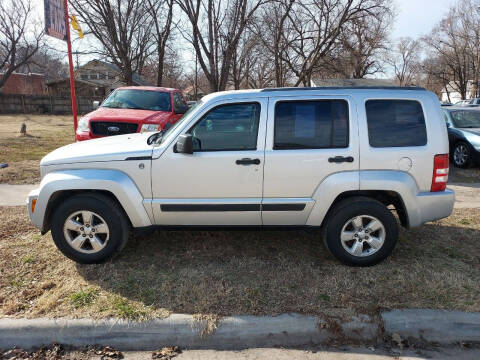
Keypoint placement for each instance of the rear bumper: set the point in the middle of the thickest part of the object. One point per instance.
(431, 206)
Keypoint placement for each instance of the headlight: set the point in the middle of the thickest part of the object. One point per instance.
(149, 127)
(82, 124)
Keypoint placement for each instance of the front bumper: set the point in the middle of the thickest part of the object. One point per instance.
(35, 216)
(431, 206)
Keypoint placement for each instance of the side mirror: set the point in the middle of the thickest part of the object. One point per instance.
(185, 144)
(96, 104)
(181, 110)
(449, 125)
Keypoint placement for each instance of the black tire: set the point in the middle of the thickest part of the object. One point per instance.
(108, 210)
(465, 148)
(348, 209)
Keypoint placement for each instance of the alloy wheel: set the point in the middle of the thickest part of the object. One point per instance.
(363, 235)
(86, 231)
(460, 155)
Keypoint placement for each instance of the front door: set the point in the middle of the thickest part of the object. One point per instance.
(221, 182)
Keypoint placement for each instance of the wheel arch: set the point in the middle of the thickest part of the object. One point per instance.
(57, 186)
(390, 187)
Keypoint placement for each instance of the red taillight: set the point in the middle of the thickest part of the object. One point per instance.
(440, 173)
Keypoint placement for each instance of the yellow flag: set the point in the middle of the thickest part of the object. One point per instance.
(76, 26)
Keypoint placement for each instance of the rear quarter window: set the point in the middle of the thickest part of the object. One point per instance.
(395, 123)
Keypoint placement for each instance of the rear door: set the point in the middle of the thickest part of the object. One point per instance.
(308, 139)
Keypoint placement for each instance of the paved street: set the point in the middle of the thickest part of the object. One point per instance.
(337, 353)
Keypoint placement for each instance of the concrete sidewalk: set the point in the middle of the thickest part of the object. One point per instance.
(466, 195)
(14, 195)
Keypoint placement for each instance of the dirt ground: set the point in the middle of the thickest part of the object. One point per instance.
(238, 272)
(23, 153)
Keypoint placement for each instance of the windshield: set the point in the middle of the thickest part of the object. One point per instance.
(138, 99)
(466, 118)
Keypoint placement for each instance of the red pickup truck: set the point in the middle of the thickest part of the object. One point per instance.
(133, 109)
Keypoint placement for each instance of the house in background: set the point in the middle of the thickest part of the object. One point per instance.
(450, 92)
(95, 79)
(24, 84)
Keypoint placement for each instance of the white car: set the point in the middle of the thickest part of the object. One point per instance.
(329, 158)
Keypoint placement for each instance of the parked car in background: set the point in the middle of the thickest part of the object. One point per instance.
(335, 159)
(468, 103)
(464, 135)
(446, 103)
(133, 109)
(462, 103)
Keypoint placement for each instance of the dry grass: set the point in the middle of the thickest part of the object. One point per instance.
(22, 153)
(237, 272)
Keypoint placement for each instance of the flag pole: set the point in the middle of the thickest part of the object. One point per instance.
(70, 64)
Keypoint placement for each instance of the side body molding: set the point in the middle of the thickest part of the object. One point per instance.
(114, 181)
(328, 190)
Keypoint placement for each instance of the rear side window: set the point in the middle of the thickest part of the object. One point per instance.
(315, 124)
(395, 123)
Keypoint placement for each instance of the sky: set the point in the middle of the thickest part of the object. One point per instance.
(416, 18)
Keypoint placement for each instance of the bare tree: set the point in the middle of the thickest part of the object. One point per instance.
(123, 28)
(270, 27)
(404, 60)
(314, 28)
(362, 42)
(18, 44)
(161, 13)
(455, 42)
(214, 30)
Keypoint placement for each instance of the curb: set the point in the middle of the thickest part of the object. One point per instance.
(434, 326)
(240, 332)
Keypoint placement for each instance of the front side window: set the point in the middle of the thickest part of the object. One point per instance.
(227, 127)
(138, 99)
(312, 124)
(179, 105)
(395, 123)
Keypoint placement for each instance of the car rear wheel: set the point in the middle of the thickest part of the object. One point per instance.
(89, 228)
(461, 155)
(361, 231)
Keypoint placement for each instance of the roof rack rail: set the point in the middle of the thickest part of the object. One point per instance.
(418, 88)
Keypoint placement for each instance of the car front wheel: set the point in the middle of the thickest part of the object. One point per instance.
(89, 228)
(361, 231)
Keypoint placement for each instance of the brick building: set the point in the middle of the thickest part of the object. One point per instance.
(24, 84)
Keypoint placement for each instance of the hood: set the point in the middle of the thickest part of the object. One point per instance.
(112, 148)
(475, 131)
(135, 115)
